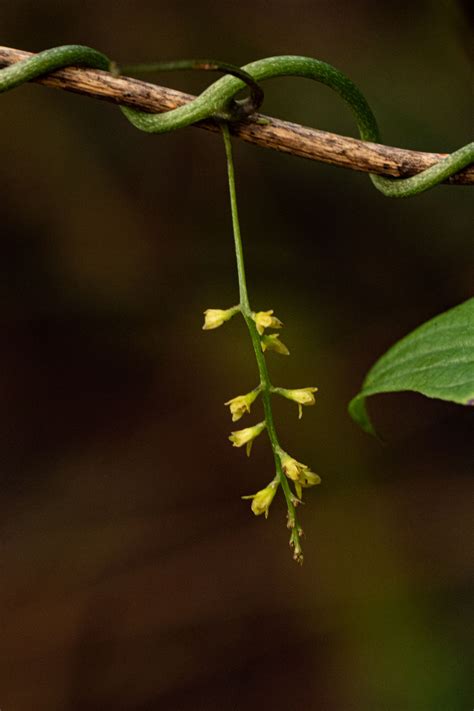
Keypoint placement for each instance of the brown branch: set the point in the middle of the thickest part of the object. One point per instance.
(276, 134)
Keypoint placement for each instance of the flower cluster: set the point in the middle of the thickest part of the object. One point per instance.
(290, 472)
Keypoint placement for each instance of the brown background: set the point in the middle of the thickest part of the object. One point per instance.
(132, 575)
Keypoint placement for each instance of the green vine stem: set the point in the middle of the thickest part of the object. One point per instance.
(309, 68)
(265, 384)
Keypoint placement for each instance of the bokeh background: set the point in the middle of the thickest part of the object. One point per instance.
(132, 575)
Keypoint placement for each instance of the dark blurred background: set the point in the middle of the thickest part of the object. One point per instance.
(132, 575)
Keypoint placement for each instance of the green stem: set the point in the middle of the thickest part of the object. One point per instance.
(265, 384)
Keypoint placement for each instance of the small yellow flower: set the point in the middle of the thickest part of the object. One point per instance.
(303, 396)
(273, 343)
(247, 436)
(213, 318)
(262, 500)
(265, 319)
(241, 404)
(298, 472)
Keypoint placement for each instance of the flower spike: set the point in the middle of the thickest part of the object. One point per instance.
(257, 322)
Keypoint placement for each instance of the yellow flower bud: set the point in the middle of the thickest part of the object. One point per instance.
(241, 404)
(296, 545)
(265, 319)
(213, 318)
(262, 500)
(303, 396)
(247, 436)
(273, 343)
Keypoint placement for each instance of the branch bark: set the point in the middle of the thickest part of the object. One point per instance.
(275, 134)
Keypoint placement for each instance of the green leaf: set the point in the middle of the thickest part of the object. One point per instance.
(436, 360)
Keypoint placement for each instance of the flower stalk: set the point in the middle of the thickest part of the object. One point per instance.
(288, 470)
(265, 384)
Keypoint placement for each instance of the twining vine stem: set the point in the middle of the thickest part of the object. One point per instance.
(283, 136)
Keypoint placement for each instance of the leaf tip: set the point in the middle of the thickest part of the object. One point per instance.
(358, 411)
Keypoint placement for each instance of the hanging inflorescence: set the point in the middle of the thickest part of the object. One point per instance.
(298, 475)
(263, 326)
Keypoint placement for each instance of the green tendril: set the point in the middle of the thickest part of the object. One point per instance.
(237, 110)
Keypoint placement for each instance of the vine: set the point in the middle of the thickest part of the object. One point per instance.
(218, 102)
